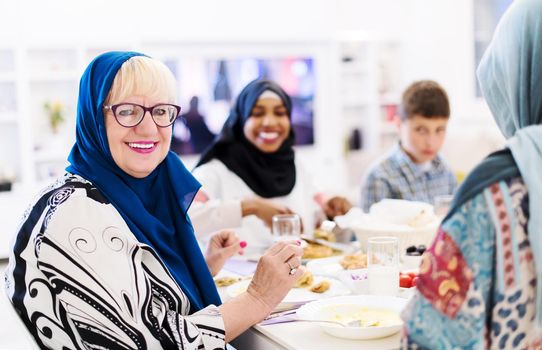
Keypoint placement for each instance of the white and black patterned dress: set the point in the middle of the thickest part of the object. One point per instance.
(80, 280)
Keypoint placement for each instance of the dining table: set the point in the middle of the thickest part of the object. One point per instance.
(294, 334)
(304, 335)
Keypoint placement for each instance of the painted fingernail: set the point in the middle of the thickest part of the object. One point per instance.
(298, 242)
(243, 244)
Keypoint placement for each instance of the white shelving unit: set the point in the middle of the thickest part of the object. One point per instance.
(358, 88)
(30, 77)
(366, 92)
(10, 157)
(369, 93)
(52, 77)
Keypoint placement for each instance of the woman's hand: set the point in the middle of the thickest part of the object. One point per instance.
(222, 246)
(277, 271)
(336, 206)
(263, 208)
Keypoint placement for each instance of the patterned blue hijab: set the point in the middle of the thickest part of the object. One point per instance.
(153, 207)
(510, 76)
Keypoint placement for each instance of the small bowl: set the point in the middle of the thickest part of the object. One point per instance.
(356, 279)
(331, 308)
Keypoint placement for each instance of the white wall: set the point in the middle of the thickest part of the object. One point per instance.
(184, 19)
(437, 43)
(436, 39)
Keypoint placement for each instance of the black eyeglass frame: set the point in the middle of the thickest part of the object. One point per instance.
(113, 108)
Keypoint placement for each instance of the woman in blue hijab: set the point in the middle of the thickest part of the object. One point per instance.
(106, 257)
(479, 285)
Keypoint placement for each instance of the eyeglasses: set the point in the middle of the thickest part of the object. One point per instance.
(132, 114)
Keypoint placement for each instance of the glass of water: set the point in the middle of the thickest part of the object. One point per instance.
(286, 227)
(442, 205)
(383, 265)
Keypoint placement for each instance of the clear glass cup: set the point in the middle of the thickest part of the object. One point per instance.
(286, 227)
(383, 265)
(442, 205)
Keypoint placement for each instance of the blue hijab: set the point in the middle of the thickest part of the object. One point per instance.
(153, 207)
(510, 76)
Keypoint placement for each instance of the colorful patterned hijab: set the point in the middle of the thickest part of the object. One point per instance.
(153, 207)
(510, 76)
(267, 174)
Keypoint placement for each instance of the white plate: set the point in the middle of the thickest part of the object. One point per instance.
(298, 295)
(326, 266)
(346, 306)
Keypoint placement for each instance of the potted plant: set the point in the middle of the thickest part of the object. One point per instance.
(7, 176)
(55, 110)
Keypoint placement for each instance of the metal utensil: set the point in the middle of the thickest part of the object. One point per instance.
(286, 319)
(340, 247)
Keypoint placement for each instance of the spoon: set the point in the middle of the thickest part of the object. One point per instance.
(285, 319)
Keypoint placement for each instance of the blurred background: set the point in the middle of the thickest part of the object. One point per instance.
(344, 62)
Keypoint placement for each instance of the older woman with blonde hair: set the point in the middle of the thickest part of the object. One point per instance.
(106, 257)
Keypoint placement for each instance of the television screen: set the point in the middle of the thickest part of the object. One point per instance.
(208, 88)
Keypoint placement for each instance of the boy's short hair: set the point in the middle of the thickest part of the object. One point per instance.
(425, 98)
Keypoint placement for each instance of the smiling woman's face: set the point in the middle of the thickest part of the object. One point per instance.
(268, 125)
(140, 149)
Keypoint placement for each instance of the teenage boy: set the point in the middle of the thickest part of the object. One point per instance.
(414, 170)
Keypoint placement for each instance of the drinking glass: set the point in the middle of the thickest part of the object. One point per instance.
(286, 227)
(442, 205)
(383, 265)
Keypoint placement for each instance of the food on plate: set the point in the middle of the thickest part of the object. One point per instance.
(366, 315)
(305, 280)
(354, 261)
(325, 235)
(226, 281)
(321, 287)
(315, 251)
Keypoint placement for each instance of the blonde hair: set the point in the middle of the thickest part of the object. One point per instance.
(143, 76)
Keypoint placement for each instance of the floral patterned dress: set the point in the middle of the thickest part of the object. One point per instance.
(477, 283)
